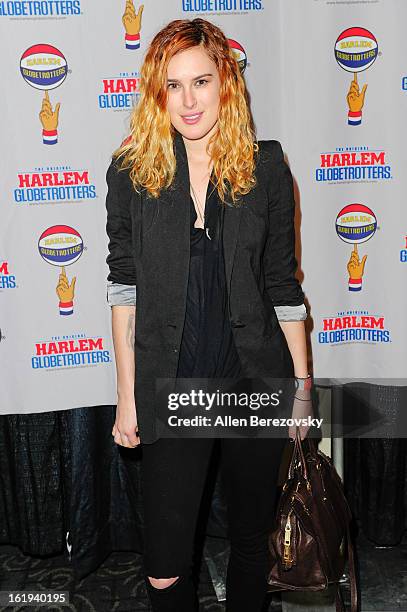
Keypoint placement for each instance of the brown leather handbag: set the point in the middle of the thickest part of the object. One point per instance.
(311, 527)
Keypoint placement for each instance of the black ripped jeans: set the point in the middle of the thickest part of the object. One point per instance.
(173, 474)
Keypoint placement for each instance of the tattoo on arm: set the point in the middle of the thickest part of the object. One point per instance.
(131, 329)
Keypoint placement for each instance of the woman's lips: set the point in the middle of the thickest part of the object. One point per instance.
(192, 118)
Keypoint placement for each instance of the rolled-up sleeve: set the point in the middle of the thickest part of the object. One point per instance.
(279, 260)
(118, 227)
(291, 313)
(121, 295)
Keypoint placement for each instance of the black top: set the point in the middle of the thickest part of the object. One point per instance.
(207, 347)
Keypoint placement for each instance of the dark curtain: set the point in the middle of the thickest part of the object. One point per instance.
(65, 486)
(375, 462)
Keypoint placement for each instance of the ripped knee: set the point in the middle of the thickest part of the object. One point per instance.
(162, 583)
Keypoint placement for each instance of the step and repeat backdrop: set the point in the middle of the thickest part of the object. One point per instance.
(326, 78)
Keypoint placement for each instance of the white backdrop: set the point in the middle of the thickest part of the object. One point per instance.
(68, 59)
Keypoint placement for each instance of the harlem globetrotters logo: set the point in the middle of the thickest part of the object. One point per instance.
(355, 224)
(355, 51)
(62, 245)
(70, 351)
(44, 67)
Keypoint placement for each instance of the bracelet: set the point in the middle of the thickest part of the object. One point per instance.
(303, 384)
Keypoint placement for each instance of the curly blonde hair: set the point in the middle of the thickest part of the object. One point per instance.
(149, 153)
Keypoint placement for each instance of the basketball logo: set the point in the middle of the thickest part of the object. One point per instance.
(60, 245)
(355, 223)
(43, 66)
(355, 50)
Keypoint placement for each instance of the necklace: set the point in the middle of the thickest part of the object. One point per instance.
(198, 205)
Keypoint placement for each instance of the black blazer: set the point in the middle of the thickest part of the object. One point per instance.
(149, 241)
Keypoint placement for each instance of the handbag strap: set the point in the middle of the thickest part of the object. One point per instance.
(352, 573)
(352, 580)
(339, 601)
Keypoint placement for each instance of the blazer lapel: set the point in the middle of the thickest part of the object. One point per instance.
(231, 222)
(179, 193)
(176, 233)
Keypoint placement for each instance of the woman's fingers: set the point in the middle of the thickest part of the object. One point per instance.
(128, 440)
(125, 428)
(133, 439)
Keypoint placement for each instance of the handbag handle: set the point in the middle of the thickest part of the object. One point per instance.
(298, 455)
(294, 459)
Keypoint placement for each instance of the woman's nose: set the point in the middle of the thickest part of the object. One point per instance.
(189, 98)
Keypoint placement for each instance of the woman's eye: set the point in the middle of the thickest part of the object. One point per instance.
(199, 83)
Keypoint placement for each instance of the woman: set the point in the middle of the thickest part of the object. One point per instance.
(201, 284)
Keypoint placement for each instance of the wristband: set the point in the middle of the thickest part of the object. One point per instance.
(66, 308)
(303, 384)
(355, 284)
(132, 41)
(354, 117)
(49, 136)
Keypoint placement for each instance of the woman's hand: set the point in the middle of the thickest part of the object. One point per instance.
(125, 428)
